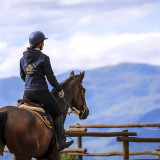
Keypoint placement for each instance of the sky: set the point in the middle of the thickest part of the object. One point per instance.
(82, 34)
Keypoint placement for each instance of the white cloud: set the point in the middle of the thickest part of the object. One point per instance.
(89, 51)
(17, 20)
(73, 2)
(84, 51)
(85, 20)
(82, 34)
(3, 45)
(10, 58)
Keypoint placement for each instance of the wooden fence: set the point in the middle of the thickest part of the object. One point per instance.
(125, 137)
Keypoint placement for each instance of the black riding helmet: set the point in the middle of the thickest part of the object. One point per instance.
(36, 38)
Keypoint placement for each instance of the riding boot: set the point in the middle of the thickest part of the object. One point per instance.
(61, 144)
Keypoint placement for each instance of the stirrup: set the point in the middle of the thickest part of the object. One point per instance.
(65, 136)
(63, 144)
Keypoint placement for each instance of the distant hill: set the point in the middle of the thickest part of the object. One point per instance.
(124, 93)
(11, 89)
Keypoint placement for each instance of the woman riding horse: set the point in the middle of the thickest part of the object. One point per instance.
(34, 67)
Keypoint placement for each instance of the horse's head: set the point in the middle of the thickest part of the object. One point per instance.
(78, 100)
(74, 95)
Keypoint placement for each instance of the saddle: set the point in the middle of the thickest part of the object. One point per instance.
(29, 103)
(37, 109)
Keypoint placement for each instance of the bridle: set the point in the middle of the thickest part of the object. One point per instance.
(73, 109)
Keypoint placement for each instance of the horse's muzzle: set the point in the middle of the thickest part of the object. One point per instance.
(84, 114)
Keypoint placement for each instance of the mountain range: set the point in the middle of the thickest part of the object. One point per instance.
(119, 94)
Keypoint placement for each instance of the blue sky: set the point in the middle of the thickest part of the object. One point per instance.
(83, 34)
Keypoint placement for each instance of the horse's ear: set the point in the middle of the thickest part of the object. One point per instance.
(81, 76)
(71, 74)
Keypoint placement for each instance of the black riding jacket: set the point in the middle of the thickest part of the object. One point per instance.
(35, 67)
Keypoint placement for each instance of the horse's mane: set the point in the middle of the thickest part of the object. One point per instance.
(64, 83)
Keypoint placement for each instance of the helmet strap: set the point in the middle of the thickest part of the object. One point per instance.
(40, 46)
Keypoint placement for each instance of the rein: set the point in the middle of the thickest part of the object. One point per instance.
(74, 110)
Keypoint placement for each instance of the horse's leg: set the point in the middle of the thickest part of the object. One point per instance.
(55, 154)
(41, 159)
(23, 158)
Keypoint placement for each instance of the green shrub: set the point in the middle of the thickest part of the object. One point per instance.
(68, 157)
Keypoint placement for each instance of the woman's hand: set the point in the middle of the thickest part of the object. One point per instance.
(61, 94)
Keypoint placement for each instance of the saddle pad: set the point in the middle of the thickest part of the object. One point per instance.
(26, 106)
(41, 113)
(45, 118)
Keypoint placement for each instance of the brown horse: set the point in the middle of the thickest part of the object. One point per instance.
(24, 133)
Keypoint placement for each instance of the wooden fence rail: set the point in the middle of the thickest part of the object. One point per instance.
(138, 139)
(117, 153)
(145, 159)
(100, 134)
(76, 130)
(115, 125)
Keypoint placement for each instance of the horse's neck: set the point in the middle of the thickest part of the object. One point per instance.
(68, 98)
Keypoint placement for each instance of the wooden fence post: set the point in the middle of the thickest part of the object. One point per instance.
(125, 149)
(79, 144)
(158, 149)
